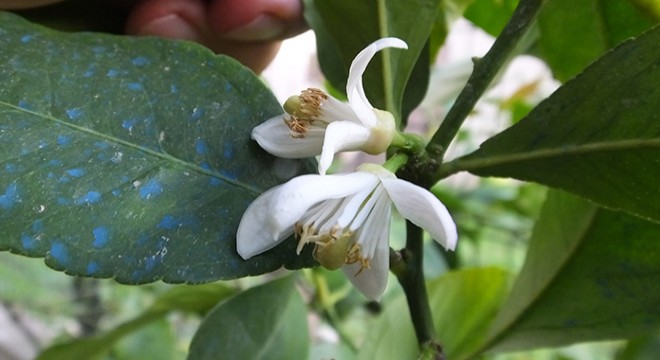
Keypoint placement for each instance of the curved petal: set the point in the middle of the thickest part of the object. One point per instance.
(341, 136)
(373, 281)
(301, 193)
(275, 137)
(423, 209)
(254, 236)
(354, 88)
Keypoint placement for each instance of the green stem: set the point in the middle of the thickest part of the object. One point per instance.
(485, 70)
(325, 298)
(394, 163)
(410, 273)
(387, 64)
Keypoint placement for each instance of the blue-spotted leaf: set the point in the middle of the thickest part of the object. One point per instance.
(130, 157)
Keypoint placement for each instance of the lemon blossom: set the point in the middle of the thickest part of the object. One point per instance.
(317, 124)
(347, 218)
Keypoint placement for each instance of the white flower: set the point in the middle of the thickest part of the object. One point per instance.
(318, 124)
(347, 217)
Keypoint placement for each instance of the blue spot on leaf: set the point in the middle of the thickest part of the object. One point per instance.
(140, 61)
(101, 236)
(26, 38)
(113, 73)
(28, 242)
(215, 181)
(55, 162)
(76, 173)
(91, 197)
(93, 267)
(128, 124)
(151, 189)
(200, 146)
(59, 252)
(63, 140)
(25, 105)
(74, 113)
(10, 197)
(204, 165)
(135, 86)
(168, 222)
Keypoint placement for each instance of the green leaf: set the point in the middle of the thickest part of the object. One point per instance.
(264, 322)
(491, 15)
(463, 304)
(590, 274)
(196, 299)
(396, 79)
(572, 34)
(598, 136)
(130, 157)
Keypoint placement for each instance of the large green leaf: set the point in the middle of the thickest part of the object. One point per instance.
(590, 274)
(397, 79)
(598, 136)
(572, 34)
(265, 322)
(130, 157)
(195, 299)
(463, 304)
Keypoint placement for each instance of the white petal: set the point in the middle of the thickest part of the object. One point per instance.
(354, 88)
(254, 236)
(341, 136)
(423, 209)
(275, 137)
(301, 193)
(372, 282)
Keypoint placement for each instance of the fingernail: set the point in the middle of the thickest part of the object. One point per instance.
(170, 26)
(264, 27)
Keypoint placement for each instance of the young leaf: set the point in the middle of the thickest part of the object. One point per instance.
(130, 157)
(265, 322)
(598, 136)
(397, 79)
(463, 304)
(590, 274)
(572, 34)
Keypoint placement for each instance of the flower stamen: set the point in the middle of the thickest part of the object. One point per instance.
(354, 255)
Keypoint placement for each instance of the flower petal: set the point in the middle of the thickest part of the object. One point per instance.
(301, 193)
(354, 88)
(254, 236)
(275, 137)
(341, 136)
(373, 281)
(423, 209)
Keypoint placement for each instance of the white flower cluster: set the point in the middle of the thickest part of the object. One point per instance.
(346, 216)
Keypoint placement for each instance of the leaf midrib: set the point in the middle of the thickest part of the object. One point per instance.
(162, 156)
(472, 163)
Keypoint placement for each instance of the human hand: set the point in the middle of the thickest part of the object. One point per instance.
(250, 31)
